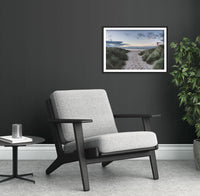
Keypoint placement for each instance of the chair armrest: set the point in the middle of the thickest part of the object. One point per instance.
(136, 115)
(58, 121)
(145, 118)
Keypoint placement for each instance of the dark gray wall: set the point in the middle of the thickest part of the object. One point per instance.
(49, 45)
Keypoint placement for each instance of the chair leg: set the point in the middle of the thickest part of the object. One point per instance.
(57, 163)
(81, 155)
(84, 175)
(154, 168)
(104, 164)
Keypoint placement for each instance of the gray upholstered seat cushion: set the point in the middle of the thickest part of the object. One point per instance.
(83, 104)
(114, 142)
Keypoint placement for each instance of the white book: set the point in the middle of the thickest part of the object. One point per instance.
(12, 140)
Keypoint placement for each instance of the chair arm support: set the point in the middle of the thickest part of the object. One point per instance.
(79, 138)
(136, 115)
(58, 121)
(145, 118)
(78, 133)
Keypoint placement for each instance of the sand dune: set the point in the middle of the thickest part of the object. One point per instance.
(135, 61)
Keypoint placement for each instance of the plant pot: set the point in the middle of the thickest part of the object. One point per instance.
(196, 150)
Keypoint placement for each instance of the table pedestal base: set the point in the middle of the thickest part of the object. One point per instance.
(10, 177)
(15, 169)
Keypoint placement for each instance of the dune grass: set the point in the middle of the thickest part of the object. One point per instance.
(115, 57)
(159, 64)
(154, 56)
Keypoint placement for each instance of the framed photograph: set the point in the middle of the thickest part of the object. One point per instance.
(135, 49)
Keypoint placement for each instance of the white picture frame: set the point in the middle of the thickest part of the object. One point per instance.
(134, 49)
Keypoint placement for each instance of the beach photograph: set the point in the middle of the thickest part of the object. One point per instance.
(135, 49)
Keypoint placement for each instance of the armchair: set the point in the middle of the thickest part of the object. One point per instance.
(84, 130)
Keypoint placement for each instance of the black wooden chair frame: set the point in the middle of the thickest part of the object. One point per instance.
(90, 156)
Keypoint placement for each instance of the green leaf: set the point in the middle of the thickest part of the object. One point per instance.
(175, 66)
(192, 73)
(185, 39)
(197, 39)
(185, 69)
(198, 133)
(173, 45)
(194, 83)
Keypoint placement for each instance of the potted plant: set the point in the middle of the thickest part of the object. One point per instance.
(186, 76)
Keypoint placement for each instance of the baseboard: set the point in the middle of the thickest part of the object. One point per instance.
(175, 152)
(47, 152)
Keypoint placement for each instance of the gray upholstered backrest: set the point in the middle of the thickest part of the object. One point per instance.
(83, 104)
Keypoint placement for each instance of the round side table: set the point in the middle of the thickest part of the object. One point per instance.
(36, 140)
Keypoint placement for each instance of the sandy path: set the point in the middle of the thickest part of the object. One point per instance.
(135, 61)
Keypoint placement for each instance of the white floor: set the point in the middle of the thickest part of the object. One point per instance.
(121, 178)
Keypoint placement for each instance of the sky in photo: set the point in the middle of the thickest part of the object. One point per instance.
(128, 39)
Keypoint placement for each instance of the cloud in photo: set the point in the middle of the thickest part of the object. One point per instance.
(115, 44)
(161, 34)
(152, 35)
(141, 36)
(127, 34)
